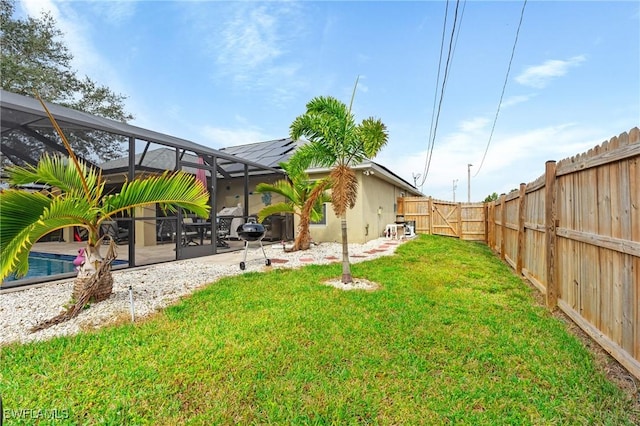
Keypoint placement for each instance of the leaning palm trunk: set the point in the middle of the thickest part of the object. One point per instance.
(95, 284)
(303, 240)
(346, 266)
(103, 289)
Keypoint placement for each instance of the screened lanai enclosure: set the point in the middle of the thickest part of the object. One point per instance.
(125, 152)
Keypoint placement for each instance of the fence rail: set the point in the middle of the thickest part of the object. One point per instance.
(574, 233)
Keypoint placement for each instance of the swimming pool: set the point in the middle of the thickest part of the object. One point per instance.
(48, 264)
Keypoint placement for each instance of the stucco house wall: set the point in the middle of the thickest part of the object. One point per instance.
(376, 206)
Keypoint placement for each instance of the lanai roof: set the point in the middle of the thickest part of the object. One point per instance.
(23, 116)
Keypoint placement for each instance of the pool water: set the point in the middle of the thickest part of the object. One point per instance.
(46, 264)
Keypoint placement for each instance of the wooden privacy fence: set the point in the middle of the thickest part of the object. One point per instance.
(574, 233)
(462, 220)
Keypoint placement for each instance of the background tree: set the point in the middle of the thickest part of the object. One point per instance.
(303, 198)
(34, 58)
(336, 141)
(492, 197)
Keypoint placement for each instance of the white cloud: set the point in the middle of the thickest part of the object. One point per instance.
(474, 125)
(511, 159)
(219, 137)
(249, 40)
(77, 37)
(538, 76)
(515, 100)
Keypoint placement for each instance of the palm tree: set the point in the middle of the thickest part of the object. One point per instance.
(74, 196)
(304, 198)
(336, 141)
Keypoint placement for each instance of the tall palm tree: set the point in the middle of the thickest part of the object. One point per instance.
(336, 141)
(74, 196)
(303, 197)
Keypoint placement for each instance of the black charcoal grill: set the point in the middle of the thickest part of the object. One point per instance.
(249, 232)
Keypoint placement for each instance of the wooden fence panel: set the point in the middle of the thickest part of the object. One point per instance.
(533, 267)
(461, 220)
(473, 222)
(510, 229)
(445, 220)
(599, 244)
(416, 209)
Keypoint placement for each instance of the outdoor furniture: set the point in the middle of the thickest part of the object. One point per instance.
(393, 231)
(166, 230)
(223, 231)
(236, 213)
(110, 228)
(189, 232)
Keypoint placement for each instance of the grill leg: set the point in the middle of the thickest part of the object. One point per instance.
(246, 247)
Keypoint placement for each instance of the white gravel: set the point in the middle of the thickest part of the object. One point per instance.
(157, 286)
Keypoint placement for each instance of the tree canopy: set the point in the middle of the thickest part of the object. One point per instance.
(34, 57)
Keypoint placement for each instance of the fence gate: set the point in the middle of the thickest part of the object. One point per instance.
(446, 219)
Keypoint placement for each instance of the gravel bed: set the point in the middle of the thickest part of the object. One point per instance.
(157, 286)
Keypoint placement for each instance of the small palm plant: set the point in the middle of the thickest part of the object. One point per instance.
(303, 197)
(75, 197)
(337, 142)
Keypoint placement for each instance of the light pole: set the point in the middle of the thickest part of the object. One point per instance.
(455, 181)
(469, 182)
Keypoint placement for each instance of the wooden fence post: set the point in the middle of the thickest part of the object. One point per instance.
(521, 206)
(503, 223)
(486, 224)
(550, 233)
(430, 216)
(459, 219)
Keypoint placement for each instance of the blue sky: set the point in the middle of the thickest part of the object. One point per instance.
(228, 73)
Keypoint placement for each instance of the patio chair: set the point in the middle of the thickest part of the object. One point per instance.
(189, 234)
(224, 231)
(110, 228)
(166, 230)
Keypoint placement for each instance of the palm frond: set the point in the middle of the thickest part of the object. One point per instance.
(274, 209)
(280, 187)
(76, 164)
(345, 189)
(53, 170)
(18, 211)
(373, 134)
(177, 188)
(26, 217)
(15, 254)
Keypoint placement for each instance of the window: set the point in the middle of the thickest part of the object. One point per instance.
(322, 221)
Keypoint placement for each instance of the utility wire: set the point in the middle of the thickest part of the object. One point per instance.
(435, 94)
(504, 86)
(444, 83)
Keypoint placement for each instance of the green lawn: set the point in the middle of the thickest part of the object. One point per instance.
(453, 336)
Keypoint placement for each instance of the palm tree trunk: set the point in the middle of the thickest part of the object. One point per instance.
(90, 287)
(303, 240)
(92, 264)
(346, 266)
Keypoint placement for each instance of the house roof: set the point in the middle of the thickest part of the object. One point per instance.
(269, 153)
(370, 167)
(272, 153)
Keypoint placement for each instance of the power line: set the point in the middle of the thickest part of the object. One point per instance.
(504, 86)
(435, 94)
(434, 124)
